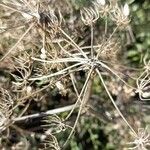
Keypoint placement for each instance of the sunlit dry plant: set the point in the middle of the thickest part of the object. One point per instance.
(109, 49)
(92, 63)
(89, 15)
(58, 56)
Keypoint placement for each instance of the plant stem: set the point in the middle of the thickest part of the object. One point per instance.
(43, 114)
(112, 100)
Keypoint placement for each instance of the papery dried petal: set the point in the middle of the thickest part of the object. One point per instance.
(126, 10)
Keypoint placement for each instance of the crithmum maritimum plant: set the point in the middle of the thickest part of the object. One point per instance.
(57, 56)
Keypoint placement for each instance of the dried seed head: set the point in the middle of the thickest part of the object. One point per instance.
(89, 15)
(52, 21)
(109, 49)
(143, 88)
(102, 7)
(120, 16)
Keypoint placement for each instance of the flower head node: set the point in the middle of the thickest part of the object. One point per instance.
(142, 141)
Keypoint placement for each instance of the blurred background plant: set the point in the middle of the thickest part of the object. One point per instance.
(42, 69)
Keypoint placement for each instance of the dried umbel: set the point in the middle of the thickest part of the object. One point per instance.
(102, 7)
(23, 69)
(57, 60)
(142, 140)
(109, 49)
(89, 15)
(6, 104)
(54, 124)
(121, 16)
(50, 142)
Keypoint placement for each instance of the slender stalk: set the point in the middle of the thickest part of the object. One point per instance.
(61, 60)
(55, 74)
(106, 24)
(113, 33)
(113, 72)
(66, 35)
(85, 91)
(63, 49)
(43, 114)
(112, 100)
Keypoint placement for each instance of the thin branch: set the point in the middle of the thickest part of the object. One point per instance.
(112, 100)
(66, 35)
(113, 72)
(83, 92)
(61, 60)
(92, 41)
(43, 114)
(55, 74)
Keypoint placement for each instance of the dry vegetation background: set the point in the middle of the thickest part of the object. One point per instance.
(74, 74)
